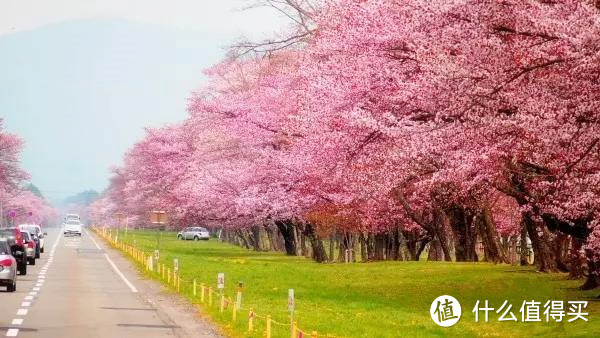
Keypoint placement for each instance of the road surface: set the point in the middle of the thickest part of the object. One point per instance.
(81, 288)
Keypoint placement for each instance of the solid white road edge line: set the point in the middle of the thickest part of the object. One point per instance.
(131, 287)
(92, 238)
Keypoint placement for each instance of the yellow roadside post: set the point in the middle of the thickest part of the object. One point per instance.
(210, 292)
(202, 292)
(314, 334)
(194, 292)
(234, 312)
(294, 333)
(269, 326)
(251, 320)
(169, 276)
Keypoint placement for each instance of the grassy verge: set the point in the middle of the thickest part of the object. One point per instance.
(383, 299)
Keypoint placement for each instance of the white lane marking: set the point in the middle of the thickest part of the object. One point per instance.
(17, 321)
(22, 312)
(33, 293)
(41, 277)
(25, 304)
(131, 287)
(12, 332)
(39, 285)
(93, 241)
(36, 289)
(28, 297)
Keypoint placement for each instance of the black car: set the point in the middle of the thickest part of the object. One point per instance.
(14, 238)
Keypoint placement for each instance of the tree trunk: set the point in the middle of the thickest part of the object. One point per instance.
(489, 237)
(286, 228)
(544, 257)
(524, 252)
(577, 260)
(441, 235)
(318, 250)
(363, 247)
(435, 251)
(411, 244)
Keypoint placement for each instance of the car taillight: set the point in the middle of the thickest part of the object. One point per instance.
(30, 245)
(19, 237)
(5, 262)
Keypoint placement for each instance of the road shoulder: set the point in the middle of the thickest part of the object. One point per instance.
(171, 308)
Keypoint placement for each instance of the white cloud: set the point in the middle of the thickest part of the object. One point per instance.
(223, 16)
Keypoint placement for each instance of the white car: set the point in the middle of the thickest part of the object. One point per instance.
(72, 227)
(194, 233)
(36, 230)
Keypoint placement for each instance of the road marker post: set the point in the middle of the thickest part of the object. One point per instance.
(251, 320)
(238, 298)
(210, 292)
(234, 312)
(291, 308)
(194, 292)
(202, 292)
(169, 276)
(221, 287)
(294, 330)
(268, 326)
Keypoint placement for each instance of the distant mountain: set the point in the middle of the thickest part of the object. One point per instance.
(82, 198)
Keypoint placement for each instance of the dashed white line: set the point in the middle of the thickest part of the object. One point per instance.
(33, 293)
(36, 289)
(25, 304)
(22, 312)
(28, 297)
(12, 332)
(17, 321)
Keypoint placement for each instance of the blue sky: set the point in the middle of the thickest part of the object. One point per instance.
(81, 88)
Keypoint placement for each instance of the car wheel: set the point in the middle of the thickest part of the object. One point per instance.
(196, 238)
(12, 287)
(31, 261)
(23, 269)
(179, 237)
(42, 250)
(37, 254)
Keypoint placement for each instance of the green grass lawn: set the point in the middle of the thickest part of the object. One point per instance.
(383, 299)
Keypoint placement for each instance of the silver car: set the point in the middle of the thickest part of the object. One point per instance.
(195, 233)
(8, 268)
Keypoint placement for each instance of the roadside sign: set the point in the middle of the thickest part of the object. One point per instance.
(156, 255)
(291, 300)
(221, 281)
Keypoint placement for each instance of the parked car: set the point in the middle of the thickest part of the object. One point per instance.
(72, 227)
(195, 233)
(30, 247)
(36, 230)
(14, 238)
(8, 267)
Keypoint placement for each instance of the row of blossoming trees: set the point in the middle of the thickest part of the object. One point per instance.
(16, 204)
(464, 129)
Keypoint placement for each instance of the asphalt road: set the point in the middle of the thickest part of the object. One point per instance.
(81, 288)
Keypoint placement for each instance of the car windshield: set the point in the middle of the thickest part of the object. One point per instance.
(25, 236)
